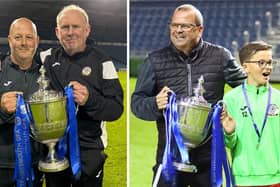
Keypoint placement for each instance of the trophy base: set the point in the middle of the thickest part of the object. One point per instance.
(185, 167)
(54, 165)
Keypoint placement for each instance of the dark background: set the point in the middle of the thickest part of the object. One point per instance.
(107, 19)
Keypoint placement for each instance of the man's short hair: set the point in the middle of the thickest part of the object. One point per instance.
(23, 19)
(189, 7)
(72, 7)
(252, 48)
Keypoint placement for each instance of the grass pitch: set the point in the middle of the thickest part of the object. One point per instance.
(115, 166)
(143, 143)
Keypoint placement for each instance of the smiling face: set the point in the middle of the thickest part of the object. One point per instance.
(184, 31)
(72, 31)
(23, 42)
(258, 76)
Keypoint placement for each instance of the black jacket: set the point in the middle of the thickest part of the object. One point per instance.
(95, 70)
(12, 78)
(169, 67)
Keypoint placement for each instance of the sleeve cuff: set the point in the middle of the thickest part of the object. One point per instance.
(155, 108)
(5, 117)
(229, 136)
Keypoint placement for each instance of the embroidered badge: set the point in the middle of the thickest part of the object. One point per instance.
(86, 71)
(273, 110)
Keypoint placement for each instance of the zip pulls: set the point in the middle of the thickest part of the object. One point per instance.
(184, 59)
(189, 78)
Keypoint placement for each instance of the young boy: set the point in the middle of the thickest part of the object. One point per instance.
(251, 121)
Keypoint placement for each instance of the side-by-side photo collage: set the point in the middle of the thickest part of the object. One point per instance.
(139, 93)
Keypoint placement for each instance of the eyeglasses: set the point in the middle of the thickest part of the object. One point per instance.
(263, 63)
(183, 26)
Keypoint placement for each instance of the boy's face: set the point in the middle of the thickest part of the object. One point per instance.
(259, 68)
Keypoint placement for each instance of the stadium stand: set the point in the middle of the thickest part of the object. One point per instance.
(225, 21)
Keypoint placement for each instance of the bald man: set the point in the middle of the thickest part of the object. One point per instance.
(18, 74)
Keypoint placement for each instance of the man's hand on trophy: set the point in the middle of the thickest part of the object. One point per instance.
(9, 101)
(80, 93)
(162, 98)
(227, 122)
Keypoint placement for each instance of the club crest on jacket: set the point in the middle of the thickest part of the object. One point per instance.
(86, 71)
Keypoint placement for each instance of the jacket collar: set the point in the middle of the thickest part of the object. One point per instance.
(89, 45)
(254, 89)
(194, 53)
(79, 54)
(33, 66)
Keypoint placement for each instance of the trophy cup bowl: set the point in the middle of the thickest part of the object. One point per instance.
(49, 121)
(49, 125)
(194, 127)
(194, 123)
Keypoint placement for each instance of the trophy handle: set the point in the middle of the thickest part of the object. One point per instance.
(77, 106)
(222, 104)
(33, 137)
(163, 111)
(31, 120)
(29, 113)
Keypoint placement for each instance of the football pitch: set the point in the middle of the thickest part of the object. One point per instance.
(143, 143)
(142, 146)
(115, 172)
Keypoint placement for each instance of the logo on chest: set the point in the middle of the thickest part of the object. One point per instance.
(86, 71)
(244, 111)
(273, 110)
(7, 83)
(56, 64)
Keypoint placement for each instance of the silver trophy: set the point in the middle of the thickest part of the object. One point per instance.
(48, 110)
(194, 125)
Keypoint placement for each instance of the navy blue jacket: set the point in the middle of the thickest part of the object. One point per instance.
(12, 78)
(172, 68)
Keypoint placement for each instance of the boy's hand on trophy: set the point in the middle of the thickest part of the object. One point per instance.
(9, 101)
(227, 122)
(80, 93)
(162, 98)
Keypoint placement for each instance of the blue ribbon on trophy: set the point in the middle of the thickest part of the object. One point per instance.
(219, 160)
(172, 133)
(72, 132)
(24, 174)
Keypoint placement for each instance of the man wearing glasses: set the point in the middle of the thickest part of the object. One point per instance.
(177, 67)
